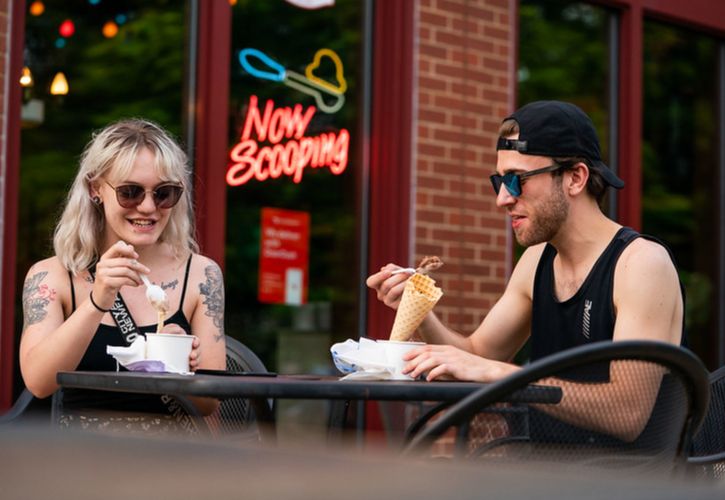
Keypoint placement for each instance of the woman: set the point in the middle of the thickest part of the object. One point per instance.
(128, 213)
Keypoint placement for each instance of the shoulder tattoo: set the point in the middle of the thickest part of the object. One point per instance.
(36, 297)
(213, 292)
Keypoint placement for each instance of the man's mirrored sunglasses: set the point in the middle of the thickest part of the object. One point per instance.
(132, 195)
(513, 182)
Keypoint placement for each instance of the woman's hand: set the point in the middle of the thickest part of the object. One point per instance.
(389, 286)
(116, 268)
(195, 355)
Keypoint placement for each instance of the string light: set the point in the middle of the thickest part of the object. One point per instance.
(110, 29)
(59, 85)
(67, 28)
(60, 43)
(26, 78)
(232, 2)
(37, 8)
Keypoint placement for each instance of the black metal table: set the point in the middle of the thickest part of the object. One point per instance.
(287, 386)
(260, 388)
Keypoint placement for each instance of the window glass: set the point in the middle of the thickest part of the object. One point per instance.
(120, 59)
(680, 196)
(564, 55)
(305, 68)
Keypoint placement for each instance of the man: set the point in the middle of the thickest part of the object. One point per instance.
(583, 277)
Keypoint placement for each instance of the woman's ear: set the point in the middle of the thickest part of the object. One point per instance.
(94, 193)
(579, 175)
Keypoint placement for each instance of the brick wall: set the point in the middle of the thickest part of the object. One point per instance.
(465, 88)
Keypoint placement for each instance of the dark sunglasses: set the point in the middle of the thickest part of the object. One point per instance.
(132, 195)
(513, 182)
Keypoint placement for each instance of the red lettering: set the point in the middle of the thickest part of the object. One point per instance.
(290, 158)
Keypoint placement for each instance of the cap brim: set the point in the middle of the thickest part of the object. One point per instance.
(609, 176)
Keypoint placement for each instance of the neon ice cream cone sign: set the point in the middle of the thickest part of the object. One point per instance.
(273, 142)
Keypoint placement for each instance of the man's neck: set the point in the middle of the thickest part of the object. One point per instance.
(583, 238)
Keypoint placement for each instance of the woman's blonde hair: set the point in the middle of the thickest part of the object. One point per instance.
(110, 155)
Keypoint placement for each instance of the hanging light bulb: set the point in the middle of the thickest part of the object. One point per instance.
(67, 28)
(232, 2)
(37, 8)
(110, 29)
(26, 78)
(59, 85)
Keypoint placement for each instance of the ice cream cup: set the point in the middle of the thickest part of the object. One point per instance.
(394, 351)
(171, 348)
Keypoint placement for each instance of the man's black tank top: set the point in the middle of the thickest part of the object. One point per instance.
(588, 316)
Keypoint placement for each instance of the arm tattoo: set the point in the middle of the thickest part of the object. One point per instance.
(36, 298)
(213, 292)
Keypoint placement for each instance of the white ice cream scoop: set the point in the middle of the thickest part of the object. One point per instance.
(157, 297)
(155, 294)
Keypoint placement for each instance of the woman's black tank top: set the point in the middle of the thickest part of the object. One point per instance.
(96, 359)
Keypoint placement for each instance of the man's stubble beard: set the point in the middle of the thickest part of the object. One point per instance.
(545, 219)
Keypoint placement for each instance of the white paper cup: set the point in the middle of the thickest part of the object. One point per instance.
(173, 349)
(394, 351)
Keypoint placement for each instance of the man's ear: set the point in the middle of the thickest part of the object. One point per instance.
(578, 178)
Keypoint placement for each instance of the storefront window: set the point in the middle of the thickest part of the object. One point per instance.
(292, 235)
(564, 55)
(680, 198)
(119, 59)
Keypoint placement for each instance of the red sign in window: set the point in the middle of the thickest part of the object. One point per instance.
(284, 256)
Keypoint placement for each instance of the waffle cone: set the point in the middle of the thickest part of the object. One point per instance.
(419, 297)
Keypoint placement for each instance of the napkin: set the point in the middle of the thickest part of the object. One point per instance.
(364, 360)
(133, 358)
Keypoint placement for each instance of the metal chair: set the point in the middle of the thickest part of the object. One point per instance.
(237, 419)
(708, 446)
(27, 409)
(624, 404)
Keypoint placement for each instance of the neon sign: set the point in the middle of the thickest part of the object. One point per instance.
(289, 151)
(309, 83)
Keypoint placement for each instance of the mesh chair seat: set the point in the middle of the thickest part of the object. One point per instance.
(235, 418)
(623, 404)
(708, 447)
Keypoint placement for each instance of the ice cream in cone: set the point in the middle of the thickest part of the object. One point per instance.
(419, 297)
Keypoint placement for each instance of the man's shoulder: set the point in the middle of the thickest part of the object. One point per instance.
(644, 251)
(645, 261)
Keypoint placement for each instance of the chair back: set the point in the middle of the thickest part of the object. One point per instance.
(708, 446)
(622, 403)
(236, 418)
(27, 409)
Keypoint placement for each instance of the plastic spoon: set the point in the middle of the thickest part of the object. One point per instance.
(408, 270)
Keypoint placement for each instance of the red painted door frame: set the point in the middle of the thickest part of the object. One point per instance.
(212, 110)
(10, 231)
(700, 15)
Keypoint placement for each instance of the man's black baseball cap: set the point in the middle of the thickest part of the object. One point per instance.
(558, 129)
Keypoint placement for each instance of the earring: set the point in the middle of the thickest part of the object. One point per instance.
(96, 200)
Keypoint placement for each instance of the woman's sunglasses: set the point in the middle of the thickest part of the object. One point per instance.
(513, 182)
(132, 195)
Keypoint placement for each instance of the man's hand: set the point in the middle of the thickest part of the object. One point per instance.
(444, 362)
(389, 286)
